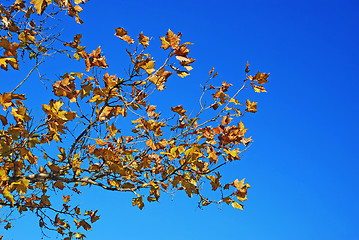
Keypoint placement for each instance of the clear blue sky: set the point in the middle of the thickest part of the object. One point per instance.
(304, 163)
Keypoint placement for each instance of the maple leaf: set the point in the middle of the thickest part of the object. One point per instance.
(150, 109)
(261, 78)
(138, 202)
(159, 78)
(151, 144)
(258, 89)
(247, 70)
(94, 59)
(179, 109)
(226, 120)
(66, 87)
(180, 73)
(148, 66)
(181, 50)
(40, 5)
(171, 40)
(10, 48)
(145, 41)
(3, 120)
(237, 205)
(251, 106)
(122, 34)
(4, 61)
(7, 98)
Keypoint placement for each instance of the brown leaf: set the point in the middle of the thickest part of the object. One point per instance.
(247, 70)
(150, 144)
(40, 5)
(145, 41)
(159, 78)
(171, 40)
(122, 34)
(179, 109)
(261, 78)
(226, 120)
(3, 120)
(251, 106)
(94, 59)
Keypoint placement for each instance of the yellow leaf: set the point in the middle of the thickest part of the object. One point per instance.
(3, 175)
(261, 78)
(122, 34)
(179, 109)
(40, 5)
(145, 41)
(9, 60)
(238, 184)
(8, 196)
(165, 43)
(233, 153)
(235, 101)
(182, 74)
(138, 202)
(237, 205)
(7, 227)
(251, 106)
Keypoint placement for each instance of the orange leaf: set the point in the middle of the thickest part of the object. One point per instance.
(145, 41)
(122, 34)
(251, 106)
(171, 40)
(226, 120)
(179, 109)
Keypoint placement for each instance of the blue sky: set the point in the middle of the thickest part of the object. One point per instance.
(303, 165)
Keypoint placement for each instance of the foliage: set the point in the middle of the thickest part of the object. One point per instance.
(159, 154)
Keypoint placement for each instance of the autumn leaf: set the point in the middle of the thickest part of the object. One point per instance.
(10, 47)
(180, 73)
(95, 59)
(7, 98)
(171, 40)
(251, 106)
(247, 70)
(7, 226)
(226, 120)
(179, 109)
(238, 184)
(261, 78)
(4, 61)
(3, 120)
(145, 41)
(138, 202)
(40, 5)
(148, 66)
(258, 89)
(237, 205)
(122, 34)
(151, 144)
(159, 78)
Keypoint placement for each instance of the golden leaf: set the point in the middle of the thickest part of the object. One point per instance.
(179, 109)
(40, 5)
(251, 106)
(171, 40)
(138, 202)
(4, 61)
(261, 78)
(237, 205)
(145, 41)
(122, 34)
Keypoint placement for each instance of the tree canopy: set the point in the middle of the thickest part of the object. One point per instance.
(77, 139)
